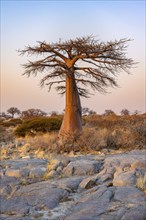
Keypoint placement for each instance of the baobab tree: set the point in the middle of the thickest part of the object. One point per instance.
(72, 64)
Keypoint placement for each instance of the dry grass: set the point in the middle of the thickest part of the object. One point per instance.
(141, 182)
(99, 132)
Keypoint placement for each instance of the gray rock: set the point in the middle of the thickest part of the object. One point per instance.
(124, 179)
(25, 172)
(15, 206)
(88, 183)
(8, 180)
(21, 163)
(35, 162)
(5, 190)
(11, 217)
(135, 213)
(91, 206)
(105, 178)
(82, 167)
(129, 194)
(70, 184)
(37, 172)
(78, 196)
(35, 195)
(15, 164)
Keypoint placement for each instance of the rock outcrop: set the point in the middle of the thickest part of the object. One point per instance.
(83, 187)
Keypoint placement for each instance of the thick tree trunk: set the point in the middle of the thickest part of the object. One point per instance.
(72, 121)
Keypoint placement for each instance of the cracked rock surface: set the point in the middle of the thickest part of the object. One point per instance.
(77, 187)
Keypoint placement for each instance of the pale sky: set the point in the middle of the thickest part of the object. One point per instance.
(25, 22)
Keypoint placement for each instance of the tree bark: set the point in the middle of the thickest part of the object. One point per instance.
(72, 121)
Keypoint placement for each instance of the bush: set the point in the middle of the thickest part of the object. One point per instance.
(12, 122)
(111, 132)
(33, 126)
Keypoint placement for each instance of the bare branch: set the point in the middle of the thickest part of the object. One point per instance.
(101, 62)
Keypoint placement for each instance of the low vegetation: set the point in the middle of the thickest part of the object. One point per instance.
(35, 125)
(11, 122)
(110, 132)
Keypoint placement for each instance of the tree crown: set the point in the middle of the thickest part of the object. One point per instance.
(93, 63)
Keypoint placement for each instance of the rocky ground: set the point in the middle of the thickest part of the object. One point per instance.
(106, 186)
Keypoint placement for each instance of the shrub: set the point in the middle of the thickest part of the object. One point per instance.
(12, 122)
(33, 126)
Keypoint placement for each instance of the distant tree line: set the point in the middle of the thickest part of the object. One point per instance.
(33, 113)
(30, 113)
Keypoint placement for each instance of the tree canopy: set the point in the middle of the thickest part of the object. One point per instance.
(95, 64)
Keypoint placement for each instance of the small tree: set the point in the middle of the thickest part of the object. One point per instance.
(75, 63)
(125, 112)
(13, 110)
(87, 111)
(32, 113)
(54, 113)
(2, 114)
(92, 112)
(136, 112)
(109, 112)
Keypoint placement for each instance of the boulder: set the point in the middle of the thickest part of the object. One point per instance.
(124, 179)
(82, 167)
